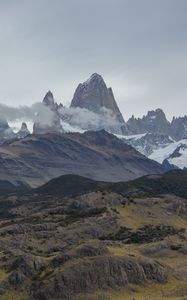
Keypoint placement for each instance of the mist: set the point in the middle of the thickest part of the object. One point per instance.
(37, 112)
(88, 120)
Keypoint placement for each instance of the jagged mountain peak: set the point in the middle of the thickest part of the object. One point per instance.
(23, 132)
(49, 99)
(50, 102)
(179, 128)
(52, 125)
(154, 121)
(157, 113)
(94, 78)
(24, 126)
(94, 95)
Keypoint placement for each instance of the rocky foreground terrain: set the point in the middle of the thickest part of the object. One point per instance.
(76, 238)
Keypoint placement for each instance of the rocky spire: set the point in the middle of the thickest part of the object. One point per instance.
(94, 95)
(155, 122)
(23, 132)
(49, 100)
(54, 124)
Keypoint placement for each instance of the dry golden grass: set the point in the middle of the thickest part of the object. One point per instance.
(14, 295)
(147, 292)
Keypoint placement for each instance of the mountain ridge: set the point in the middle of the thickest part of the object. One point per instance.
(95, 102)
(98, 155)
(94, 108)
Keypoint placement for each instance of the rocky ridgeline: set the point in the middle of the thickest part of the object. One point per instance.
(98, 155)
(94, 96)
(94, 107)
(149, 142)
(155, 122)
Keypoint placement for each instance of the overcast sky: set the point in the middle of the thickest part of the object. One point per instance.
(138, 46)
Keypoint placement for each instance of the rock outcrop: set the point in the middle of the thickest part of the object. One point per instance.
(49, 101)
(149, 142)
(154, 122)
(108, 240)
(54, 124)
(101, 273)
(179, 128)
(94, 95)
(23, 132)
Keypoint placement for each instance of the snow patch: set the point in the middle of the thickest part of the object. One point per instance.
(131, 137)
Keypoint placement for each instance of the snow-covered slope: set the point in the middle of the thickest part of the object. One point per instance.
(147, 143)
(175, 154)
(159, 147)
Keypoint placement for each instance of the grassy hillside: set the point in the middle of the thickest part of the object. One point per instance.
(78, 239)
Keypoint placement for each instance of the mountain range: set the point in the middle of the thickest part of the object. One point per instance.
(91, 206)
(93, 109)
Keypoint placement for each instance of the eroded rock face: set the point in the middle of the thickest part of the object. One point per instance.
(101, 273)
(148, 143)
(179, 128)
(52, 244)
(23, 267)
(94, 95)
(154, 122)
(49, 101)
(23, 132)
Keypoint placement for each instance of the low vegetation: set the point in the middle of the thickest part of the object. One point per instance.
(103, 243)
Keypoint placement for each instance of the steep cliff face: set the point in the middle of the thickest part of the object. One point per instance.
(52, 125)
(94, 95)
(23, 132)
(179, 128)
(154, 122)
(149, 142)
(103, 273)
(49, 101)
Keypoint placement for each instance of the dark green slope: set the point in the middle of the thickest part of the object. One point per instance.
(172, 182)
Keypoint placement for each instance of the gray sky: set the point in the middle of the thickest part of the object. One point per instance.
(138, 46)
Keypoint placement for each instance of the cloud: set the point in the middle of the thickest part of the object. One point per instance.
(88, 120)
(144, 42)
(37, 112)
